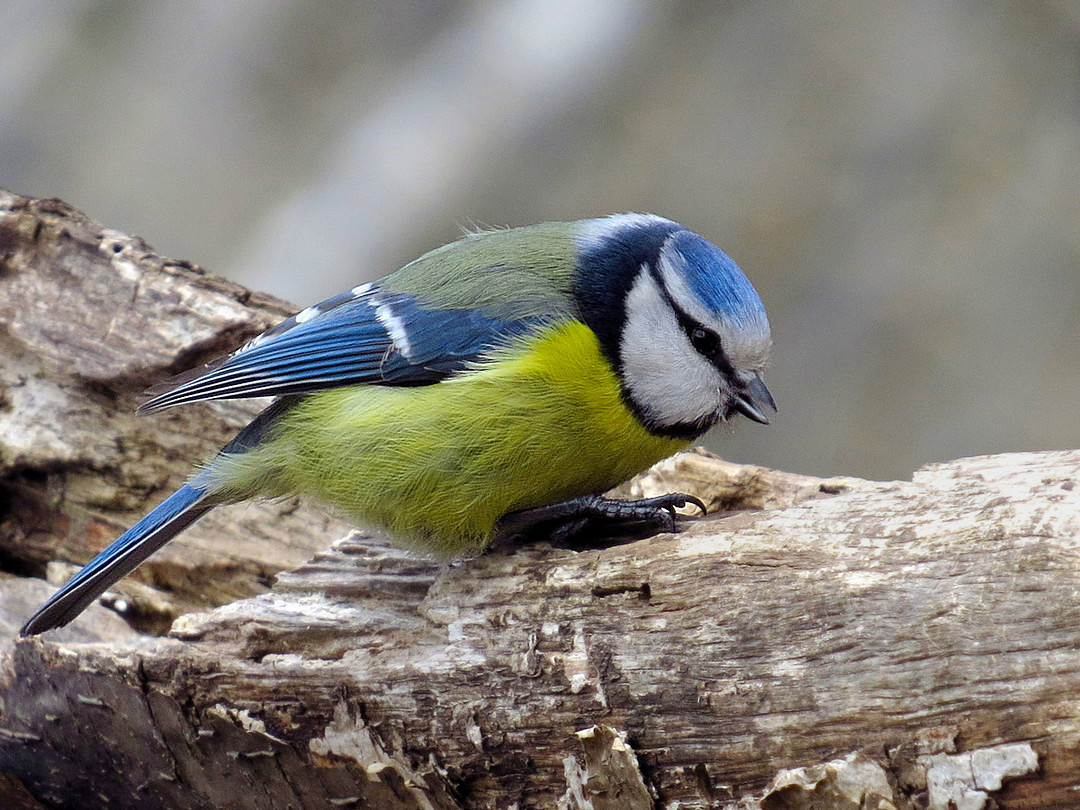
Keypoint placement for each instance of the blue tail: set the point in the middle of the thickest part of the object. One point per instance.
(176, 513)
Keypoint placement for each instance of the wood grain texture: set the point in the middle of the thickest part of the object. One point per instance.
(89, 318)
(836, 644)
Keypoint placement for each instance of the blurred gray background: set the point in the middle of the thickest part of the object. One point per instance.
(901, 180)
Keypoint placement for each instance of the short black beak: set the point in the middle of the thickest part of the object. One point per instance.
(751, 401)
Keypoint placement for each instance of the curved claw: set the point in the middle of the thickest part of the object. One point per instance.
(671, 501)
(685, 499)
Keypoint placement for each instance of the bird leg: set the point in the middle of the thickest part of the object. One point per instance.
(567, 523)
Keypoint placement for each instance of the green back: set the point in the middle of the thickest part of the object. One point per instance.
(510, 274)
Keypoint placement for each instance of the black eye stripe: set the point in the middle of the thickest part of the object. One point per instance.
(714, 354)
(706, 344)
(705, 341)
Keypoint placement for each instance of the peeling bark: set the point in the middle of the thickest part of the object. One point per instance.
(834, 644)
(89, 318)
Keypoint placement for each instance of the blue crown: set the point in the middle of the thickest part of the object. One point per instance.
(717, 281)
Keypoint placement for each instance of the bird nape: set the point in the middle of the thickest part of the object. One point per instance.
(497, 383)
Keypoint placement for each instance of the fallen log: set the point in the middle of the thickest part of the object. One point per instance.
(831, 643)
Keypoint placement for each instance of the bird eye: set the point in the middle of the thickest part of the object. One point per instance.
(704, 341)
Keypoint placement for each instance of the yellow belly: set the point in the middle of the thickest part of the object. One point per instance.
(438, 465)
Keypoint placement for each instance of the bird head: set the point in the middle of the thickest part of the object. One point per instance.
(681, 324)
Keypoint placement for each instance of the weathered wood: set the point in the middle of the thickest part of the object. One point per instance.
(89, 318)
(853, 644)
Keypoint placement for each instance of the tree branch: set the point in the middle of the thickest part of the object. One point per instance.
(846, 644)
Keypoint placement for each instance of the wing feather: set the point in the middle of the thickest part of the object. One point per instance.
(363, 336)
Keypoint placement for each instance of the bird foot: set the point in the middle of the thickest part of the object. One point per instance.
(589, 521)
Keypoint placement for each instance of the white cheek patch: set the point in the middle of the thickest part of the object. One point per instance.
(662, 372)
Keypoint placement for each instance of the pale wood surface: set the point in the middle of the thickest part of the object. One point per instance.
(837, 644)
(89, 318)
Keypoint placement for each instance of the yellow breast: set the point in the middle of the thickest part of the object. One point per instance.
(539, 422)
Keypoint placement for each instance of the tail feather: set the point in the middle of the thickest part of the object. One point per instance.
(176, 513)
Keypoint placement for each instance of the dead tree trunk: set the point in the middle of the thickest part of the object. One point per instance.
(834, 644)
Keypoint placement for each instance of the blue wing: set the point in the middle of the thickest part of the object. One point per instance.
(365, 335)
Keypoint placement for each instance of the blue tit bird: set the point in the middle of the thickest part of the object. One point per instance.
(497, 382)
